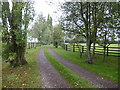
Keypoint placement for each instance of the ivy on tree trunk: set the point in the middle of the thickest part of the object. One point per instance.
(16, 19)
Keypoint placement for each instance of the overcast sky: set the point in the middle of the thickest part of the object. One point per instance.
(51, 7)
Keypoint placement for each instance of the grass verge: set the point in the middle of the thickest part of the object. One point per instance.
(73, 79)
(107, 69)
(26, 76)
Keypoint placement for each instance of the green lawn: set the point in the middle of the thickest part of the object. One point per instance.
(107, 69)
(26, 76)
(73, 79)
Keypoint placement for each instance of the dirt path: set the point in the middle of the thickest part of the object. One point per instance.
(93, 78)
(50, 77)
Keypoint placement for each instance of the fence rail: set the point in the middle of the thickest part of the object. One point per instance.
(109, 51)
(32, 44)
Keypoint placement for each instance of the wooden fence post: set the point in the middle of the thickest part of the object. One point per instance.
(66, 47)
(73, 48)
(33, 44)
(36, 44)
(82, 49)
(29, 45)
(107, 51)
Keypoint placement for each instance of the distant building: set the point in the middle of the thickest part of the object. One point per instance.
(31, 39)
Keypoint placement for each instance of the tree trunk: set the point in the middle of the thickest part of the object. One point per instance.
(56, 44)
(93, 49)
(88, 34)
(89, 61)
(104, 45)
(95, 28)
(20, 56)
(39, 42)
(18, 49)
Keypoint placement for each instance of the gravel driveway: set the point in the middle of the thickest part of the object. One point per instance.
(49, 76)
(93, 78)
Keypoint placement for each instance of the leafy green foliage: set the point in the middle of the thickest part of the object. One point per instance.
(87, 19)
(21, 37)
(15, 24)
(42, 29)
(50, 28)
(57, 35)
(6, 51)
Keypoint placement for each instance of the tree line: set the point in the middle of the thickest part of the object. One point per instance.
(45, 32)
(93, 22)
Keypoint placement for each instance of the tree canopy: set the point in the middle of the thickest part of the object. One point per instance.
(86, 19)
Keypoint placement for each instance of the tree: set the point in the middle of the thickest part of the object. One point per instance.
(39, 28)
(15, 24)
(109, 27)
(43, 29)
(80, 19)
(75, 42)
(50, 29)
(57, 35)
(84, 18)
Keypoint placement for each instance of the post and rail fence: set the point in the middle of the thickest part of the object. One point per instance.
(32, 44)
(99, 50)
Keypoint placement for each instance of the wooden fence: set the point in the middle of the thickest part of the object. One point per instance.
(32, 44)
(109, 51)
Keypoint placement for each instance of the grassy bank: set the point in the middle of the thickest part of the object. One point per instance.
(26, 76)
(73, 79)
(107, 69)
